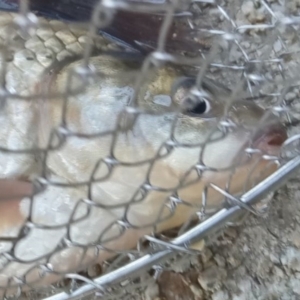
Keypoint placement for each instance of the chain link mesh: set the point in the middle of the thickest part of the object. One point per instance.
(106, 195)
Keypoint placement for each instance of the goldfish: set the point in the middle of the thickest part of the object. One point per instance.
(112, 160)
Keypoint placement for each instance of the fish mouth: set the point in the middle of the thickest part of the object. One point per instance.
(270, 139)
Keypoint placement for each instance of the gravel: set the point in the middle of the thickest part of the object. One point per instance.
(261, 262)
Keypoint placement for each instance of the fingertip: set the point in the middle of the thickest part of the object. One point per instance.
(15, 189)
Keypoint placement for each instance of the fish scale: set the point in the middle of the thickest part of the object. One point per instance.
(53, 40)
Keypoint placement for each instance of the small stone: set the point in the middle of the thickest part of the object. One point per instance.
(246, 45)
(206, 255)
(94, 271)
(240, 297)
(248, 7)
(290, 96)
(242, 271)
(192, 276)
(233, 262)
(220, 295)
(296, 239)
(195, 261)
(295, 285)
(245, 284)
(209, 264)
(231, 233)
(277, 46)
(152, 292)
(173, 286)
(211, 277)
(291, 259)
(198, 245)
(181, 265)
(263, 267)
(253, 14)
(278, 272)
(246, 248)
(220, 260)
(197, 292)
(274, 258)
(231, 285)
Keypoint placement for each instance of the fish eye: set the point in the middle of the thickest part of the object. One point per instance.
(193, 102)
(196, 108)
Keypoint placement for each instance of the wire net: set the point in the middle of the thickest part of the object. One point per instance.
(130, 169)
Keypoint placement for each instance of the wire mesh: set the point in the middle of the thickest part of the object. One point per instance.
(135, 159)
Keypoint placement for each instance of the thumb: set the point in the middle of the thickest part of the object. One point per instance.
(15, 189)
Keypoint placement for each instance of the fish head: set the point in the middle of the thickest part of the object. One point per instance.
(239, 142)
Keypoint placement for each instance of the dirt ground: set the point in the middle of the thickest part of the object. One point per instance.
(258, 260)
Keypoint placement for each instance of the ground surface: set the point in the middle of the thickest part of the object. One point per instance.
(260, 261)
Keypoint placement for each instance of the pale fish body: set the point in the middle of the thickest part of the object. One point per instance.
(97, 110)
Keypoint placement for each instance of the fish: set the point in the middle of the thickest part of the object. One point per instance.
(121, 162)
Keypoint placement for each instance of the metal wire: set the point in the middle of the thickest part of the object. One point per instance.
(119, 154)
(200, 231)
